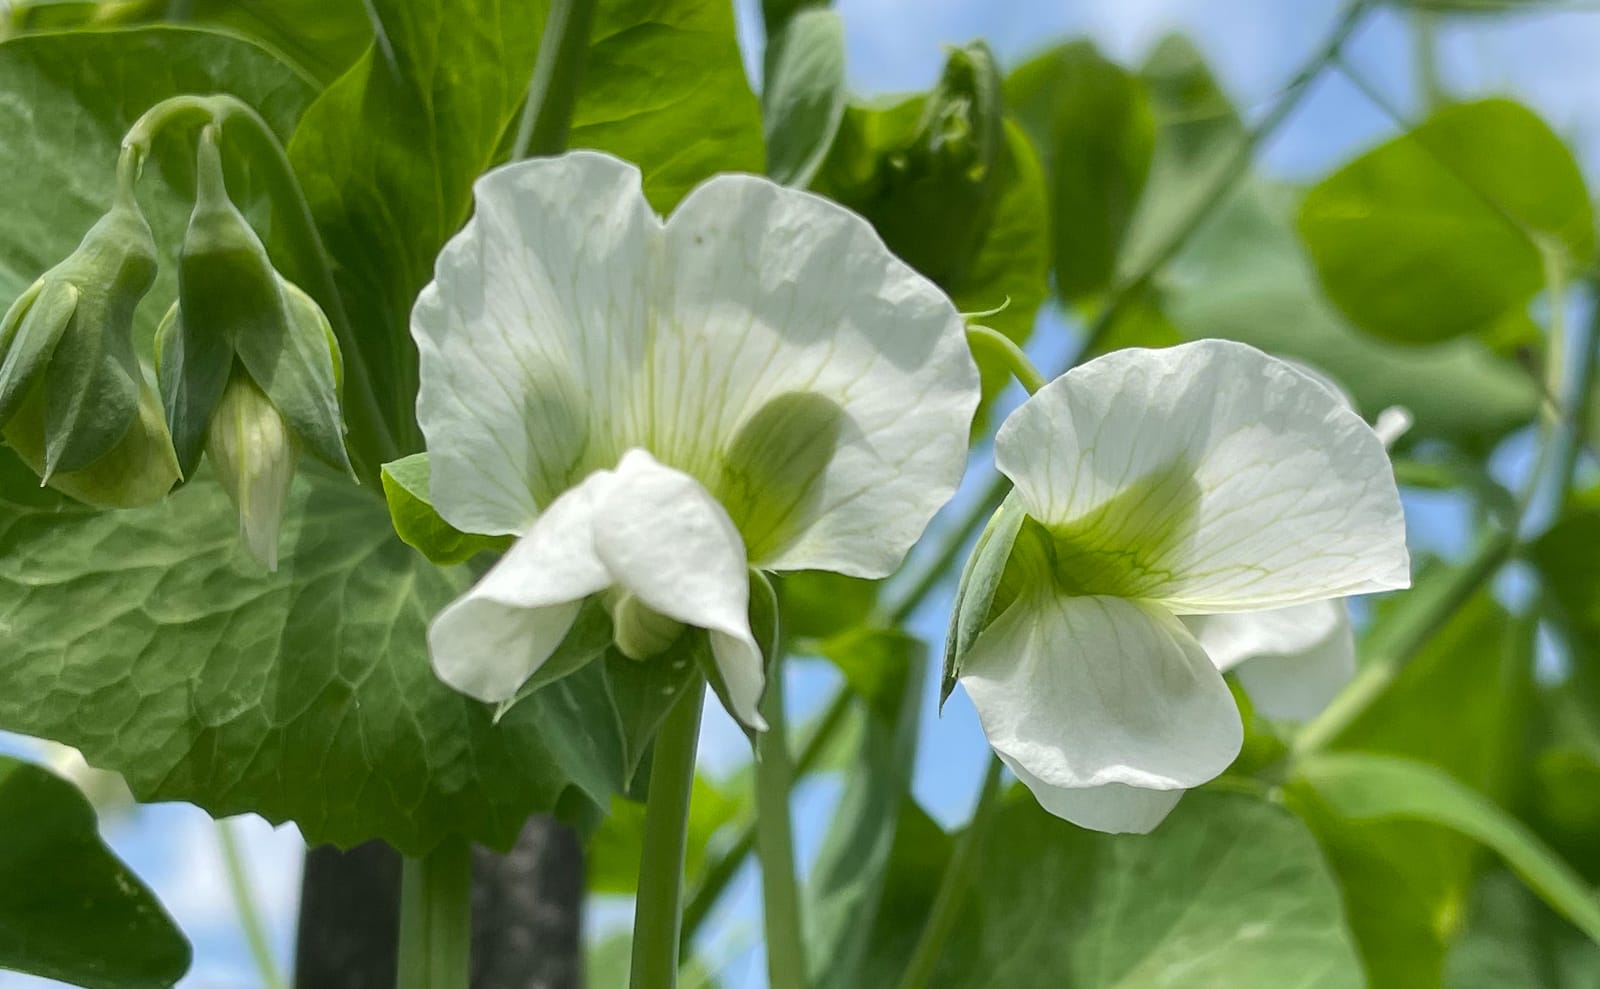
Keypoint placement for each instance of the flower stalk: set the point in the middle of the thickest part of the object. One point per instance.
(436, 918)
(786, 959)
(658, 909)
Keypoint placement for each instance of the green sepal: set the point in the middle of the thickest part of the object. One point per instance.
(92, 379)
(586, 641)
(301, 375)
(193, 371)
(419, 525)
(980, 581)
(139, 470)
(28, 337)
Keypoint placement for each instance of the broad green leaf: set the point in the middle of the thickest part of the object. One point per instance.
(1368, 787)
(405, 488)
(1243, 276)
(1229, 891)
(846, 888)
(152, 642)
(664, 87)
(1461, 704)
(803, 99)
(1199, 138)
(1449, 229)
(817, 604)
(389, 152)
(1571, 571)
(875, 663)
(76, 95)
(387, 156)
(1092, 124)
(916, 866)
(69, 910)
(1512, 939)
(321, 37)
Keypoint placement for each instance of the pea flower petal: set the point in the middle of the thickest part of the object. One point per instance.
(1213, 477)
(1291, 661)
(1088, 691)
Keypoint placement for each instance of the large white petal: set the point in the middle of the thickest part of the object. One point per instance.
(668, 542)
(537, 315)
(1209, 477)
(1082, 692)
(1114, 808)
(776, 291)
(489, 641)
(1291, 661)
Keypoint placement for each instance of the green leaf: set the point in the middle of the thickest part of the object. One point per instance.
(1446, 230)
(387, 156)
(1571, 570)
(1512, 939)
(1367, 787)
(846, 888)
(1199, 137)
(405, 488)
(83, 91)
(321, 37)
(804, 96)
(1095, 131)
(875, 663)
(1460, 704)
(151, 641)
(69, 910)
(1243, 277)
(817, 604)
(664, 87)
(1229, 891)
(644, 691)
(388, 153)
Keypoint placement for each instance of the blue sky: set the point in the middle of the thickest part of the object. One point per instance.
(1543, 58)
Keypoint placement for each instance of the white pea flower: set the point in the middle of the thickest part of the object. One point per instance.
(656, 407)
(1203, 479)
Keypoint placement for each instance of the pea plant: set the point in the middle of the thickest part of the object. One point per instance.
(417, 414)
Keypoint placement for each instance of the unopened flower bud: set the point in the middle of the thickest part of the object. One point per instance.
(74, 402)
(253, 452)
(237, 315)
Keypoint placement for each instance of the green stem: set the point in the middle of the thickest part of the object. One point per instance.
(244, 903)
(547, 116)
(1002, 348)
(436, 918)
(721, 872)
(786, 961)
(658, 907)
(312, 267)
(952, 892)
